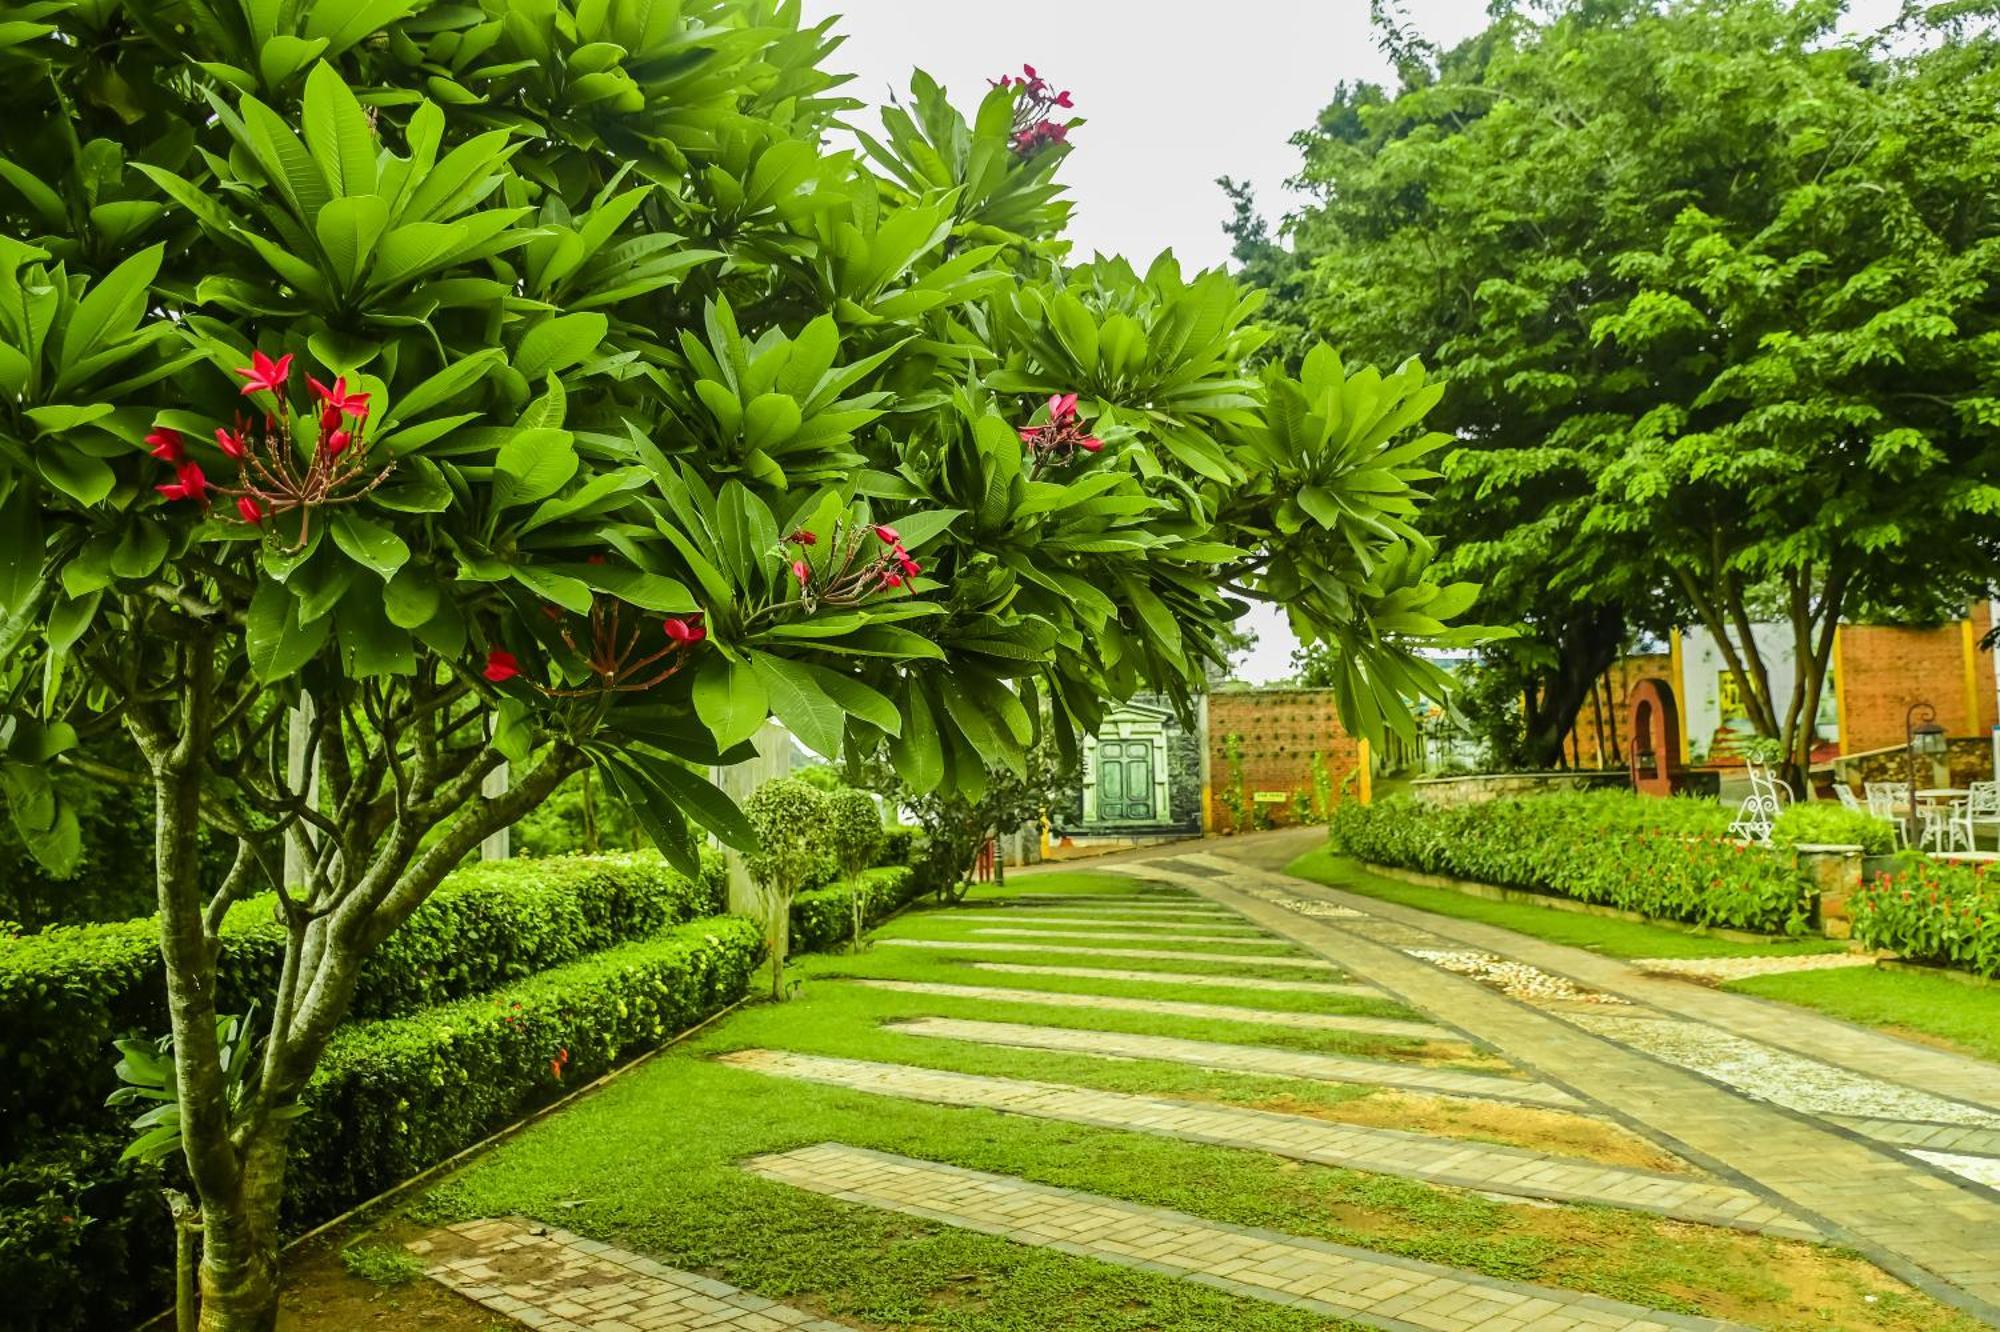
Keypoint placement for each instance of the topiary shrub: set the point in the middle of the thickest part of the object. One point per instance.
(794, 827)
(856, 825)
(823, 917)
(1822, 824)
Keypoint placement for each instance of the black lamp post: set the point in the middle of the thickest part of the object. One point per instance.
(1921, 735)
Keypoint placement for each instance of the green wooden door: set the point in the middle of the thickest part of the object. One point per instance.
(1125, 781)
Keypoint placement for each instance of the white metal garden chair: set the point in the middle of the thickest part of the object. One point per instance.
(1849, 800)
(1760, 808)
(1889, 800)
(1983, 807)
(1944, 823)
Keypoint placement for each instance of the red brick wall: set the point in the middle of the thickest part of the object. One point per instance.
(1279, 729)
(1617, 715)
(1886, 668)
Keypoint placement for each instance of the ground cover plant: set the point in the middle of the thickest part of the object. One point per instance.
(695, 1207)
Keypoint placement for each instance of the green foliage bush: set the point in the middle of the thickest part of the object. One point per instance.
(794, 834)
(899, 846)
(857, 829)
(82, 1235)
(1823, 824)
(1944, 914)
(824, 917)
(400, 1094)
(1670, 859)
(67, 992)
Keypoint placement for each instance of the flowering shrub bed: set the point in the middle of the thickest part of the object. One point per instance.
(401, 1094)
(1941, 913)
(824, 917)
(1669, 859)
(66, 993)
(1831, 825)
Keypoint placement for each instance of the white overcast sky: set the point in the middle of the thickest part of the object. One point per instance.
(1175, 93)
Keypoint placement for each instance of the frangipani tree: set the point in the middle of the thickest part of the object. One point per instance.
(391, 394)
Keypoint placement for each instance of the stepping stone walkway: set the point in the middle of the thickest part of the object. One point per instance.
(1452, 1162)
(1355, 989)
(1269, 1017)
(1953, 1138)
(1737, 968)
(1110, 936)
(1246, 1059)
(554, 1281)
(1096, 906)
(1937, 1230)
(1098, 922)
(1371, 1288)
(1151, 954)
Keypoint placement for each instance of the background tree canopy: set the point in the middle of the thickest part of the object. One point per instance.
(1711, 290)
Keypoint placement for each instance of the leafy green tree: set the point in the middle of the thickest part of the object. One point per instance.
(1711, 293)
(392, 397)
(858, 835)
(796, 835)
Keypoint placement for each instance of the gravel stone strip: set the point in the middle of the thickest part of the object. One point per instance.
(1451, 1162)
(1979, 1169)
(1513, 978)
(1395, 1294)
(1151, 954)
(1769, 1074)
(1102, 922)
(1935, 1230)
(1269, 1017)
(1100, 936)
(1354, 988)
(1739, 968)
(1247, 1059)
(1844, 1044)
(555, 1281)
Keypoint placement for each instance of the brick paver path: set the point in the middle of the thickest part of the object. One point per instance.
(1097, 923)
(1453, 1162)
(554, 1281)
(1386, 1292)
(1264, 1059)
(1097, 908)
(1937, 1231)
(1151, 954)
(1113, 936)
(1178, 978)
(1269, 1017)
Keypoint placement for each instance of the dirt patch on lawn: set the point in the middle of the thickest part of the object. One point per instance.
(321, 1295)
(1554, 1131)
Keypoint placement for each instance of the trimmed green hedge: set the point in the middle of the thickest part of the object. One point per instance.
(1931, 911)
(399, 1095)
(85, 1242)
(66, 993)
(1823, 824)
(823, 918)
(1670, 859)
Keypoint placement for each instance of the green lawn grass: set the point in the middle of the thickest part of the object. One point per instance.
(1599, 934)
(1965, 1017)
(652, 1163)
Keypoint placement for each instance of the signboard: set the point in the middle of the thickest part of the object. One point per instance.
(1271, 797)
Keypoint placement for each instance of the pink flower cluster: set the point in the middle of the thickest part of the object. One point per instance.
(1035, 126)
(1065, 434)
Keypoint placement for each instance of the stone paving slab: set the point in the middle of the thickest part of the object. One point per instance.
(1247, 1059)
(1151, 954)
(1269, 1017)
(1366, 1026)
(1113, 936)
(554, 1281)
(1354, 988)
(1383, 1291)
(1190, 906)
(1451, 1162)
(1039, 919)
(1788, 1026)
(1910, 1134)
(1938, 1232)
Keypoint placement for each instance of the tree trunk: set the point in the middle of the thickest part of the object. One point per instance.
(1584, 651)
(778, 941)
(239, 1253)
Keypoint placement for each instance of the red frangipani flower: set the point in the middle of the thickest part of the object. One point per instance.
(888, 535)
(1034, 128)
(501, 666)
(1063, 437)
(265, 374)
(802, 571)
(165, 444)
(188, 484)
(338, 399)
(802, 537)
(336, 443)
(253, 512)
(231, 443)
(685, 632)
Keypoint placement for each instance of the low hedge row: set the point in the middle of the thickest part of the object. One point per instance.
(67, 992)
(823, 918)
(398, 1095)
(1670, 859)
(85, 1242)
(1941, 913)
